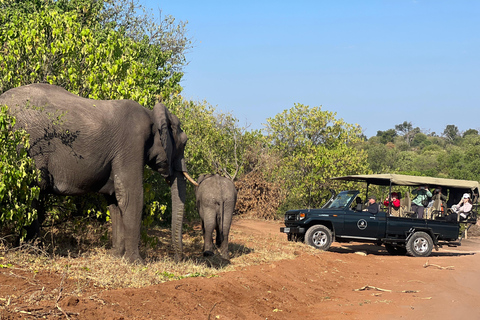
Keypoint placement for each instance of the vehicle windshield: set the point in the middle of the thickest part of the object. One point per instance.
(342, 200)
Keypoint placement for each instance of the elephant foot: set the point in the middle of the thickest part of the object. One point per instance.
(178, 257)
(225, 256)
(116, 252)
(208, 253)
(134, 258)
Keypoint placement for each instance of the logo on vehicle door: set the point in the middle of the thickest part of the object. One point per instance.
(362, 224)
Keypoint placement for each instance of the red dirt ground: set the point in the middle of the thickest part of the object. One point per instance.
(311, 286)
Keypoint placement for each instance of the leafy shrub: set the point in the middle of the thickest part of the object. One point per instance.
(17, 176)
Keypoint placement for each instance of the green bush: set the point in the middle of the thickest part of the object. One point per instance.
(17, 176)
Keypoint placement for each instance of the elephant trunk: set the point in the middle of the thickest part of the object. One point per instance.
(178, 190)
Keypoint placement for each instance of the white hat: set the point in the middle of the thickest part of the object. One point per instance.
(466, 196)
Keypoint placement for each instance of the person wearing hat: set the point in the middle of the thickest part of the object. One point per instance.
(394, 203)
(373, 206)
(464, 206)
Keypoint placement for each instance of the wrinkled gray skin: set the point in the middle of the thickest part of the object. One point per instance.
(82, 145)
(216, 197)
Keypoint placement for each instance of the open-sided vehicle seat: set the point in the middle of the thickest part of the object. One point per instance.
(436, 210)
(406, 206)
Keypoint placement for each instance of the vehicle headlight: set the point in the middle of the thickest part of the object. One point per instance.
(301, 216)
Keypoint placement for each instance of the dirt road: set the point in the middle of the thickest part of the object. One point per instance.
(352, 281)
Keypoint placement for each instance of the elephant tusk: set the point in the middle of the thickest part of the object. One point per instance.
(190, 179)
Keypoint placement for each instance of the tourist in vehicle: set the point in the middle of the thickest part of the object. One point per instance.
(464, 206)
(373, 206)
(421, 200)
(358, 204)
(438, 194)
(394, 203)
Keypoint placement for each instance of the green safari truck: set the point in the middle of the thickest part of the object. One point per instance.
(342, 219)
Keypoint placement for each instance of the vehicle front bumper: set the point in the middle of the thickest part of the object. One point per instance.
(292, 230)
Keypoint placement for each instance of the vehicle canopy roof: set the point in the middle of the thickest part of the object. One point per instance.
(390, 179)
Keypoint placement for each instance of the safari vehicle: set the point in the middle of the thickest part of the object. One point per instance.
(342, 218)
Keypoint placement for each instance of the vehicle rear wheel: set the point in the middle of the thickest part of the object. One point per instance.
(420, 244)
(395, 250)
(319, 236)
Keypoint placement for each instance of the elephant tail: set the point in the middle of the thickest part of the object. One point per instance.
(222, 214)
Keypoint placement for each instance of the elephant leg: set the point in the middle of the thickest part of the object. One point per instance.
(210, 224)
(118, 230)
(33, 230)
(128, 215)
(225, 229)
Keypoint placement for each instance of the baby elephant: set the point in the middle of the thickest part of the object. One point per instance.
(216, 198)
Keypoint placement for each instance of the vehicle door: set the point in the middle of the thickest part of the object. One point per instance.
(364, 225)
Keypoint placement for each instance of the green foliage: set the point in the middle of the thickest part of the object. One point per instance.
(387, 136)
(136, 22)
(216, 143)
(383, 158)
(473, 132)
(314, 147)
(17, 175)
(64, 43)
(420, 140)
(451, 133)
(454, 155)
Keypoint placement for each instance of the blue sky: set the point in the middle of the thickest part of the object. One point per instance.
(375, 63)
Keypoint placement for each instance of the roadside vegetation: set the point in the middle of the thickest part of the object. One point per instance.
(115, 49)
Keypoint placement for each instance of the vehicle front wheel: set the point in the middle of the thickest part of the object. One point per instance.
(319, 236)
(420, 244)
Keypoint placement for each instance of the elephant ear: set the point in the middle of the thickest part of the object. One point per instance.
(178, 136)
(162, 121)
(201, 178)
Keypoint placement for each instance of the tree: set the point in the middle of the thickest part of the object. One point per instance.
(75, 45)
(217, 144)
(420, 140)
(167, 33)
(406, 130)
(451, 133)
(387, 136)
(314, 146)
(473, 132)
(381, 158)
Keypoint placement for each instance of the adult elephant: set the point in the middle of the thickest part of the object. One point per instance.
(82, 145)
(216, 197)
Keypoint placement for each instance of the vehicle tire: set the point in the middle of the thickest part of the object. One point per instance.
(420, 244)
(319, 237)
(395, 250)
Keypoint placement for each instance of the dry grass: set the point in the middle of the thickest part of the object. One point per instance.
(89, 263)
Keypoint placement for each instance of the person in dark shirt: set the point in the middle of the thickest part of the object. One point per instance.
(373, 206)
